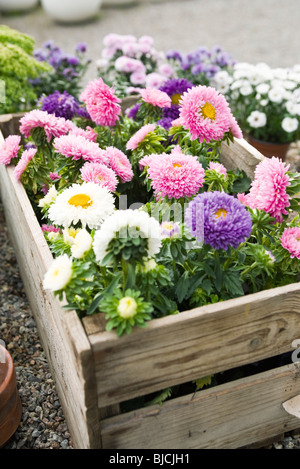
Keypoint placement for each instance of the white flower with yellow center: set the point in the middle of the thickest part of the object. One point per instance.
(87, 203)
(69, 235)
(82, 244)
(59, 274)
(127, 307)
(49, 197)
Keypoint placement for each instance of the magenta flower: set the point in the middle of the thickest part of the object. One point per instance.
(9, 149)
(77, 147)
(119, 163)
(218, 167)
(268, 190)
(101, 103)
(99, 174)
(290, 240)
(156, 97)
(52, 125)
(87, 133)
(139, 136)
(176, 175)
(205, 113)
(23, 162)
(235, 128)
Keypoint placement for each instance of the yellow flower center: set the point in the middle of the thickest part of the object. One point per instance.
(208, 111)
(177, 165)
(221, 213)
(176, 98)
(81, 200)
(127, 307)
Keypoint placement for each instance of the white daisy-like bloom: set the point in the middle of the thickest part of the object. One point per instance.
(246, 89)
(82, 244)
(69, 235)
(87, 203)
(257, 119)
(293, 108)
(49, 197)
(264, 102)
(289, 124)
(289, 84)
(127, 307)
(276, 94)
(263, 88)
(59, 273)
(132, 223)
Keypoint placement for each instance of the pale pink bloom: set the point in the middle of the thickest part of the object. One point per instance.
(87, 133)
(77, 147)
(146, 160)
(218, 167)
(205, 113)
(119, 163)
(146, 40)
(290, 240)
(129, 65)
(156, 97)
(268, 190)
(176, 122)
(138, 78)
(166, 70)
(176, 175)
(9, 149)
(133, 90)
(243, 198)
(101, 103)
(99, 174)
(112, 40)
(144, 48)
(139, 136)
(155, 80)
(235, 128)
(52, 125)
(108, 53)
(130, 49)
(23, 162)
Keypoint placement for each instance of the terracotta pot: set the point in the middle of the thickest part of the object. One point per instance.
(10, 403)
(270, 149)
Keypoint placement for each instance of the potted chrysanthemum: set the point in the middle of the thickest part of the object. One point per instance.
(266, 103)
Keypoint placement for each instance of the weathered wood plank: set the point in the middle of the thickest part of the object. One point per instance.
(228, 416)
(242, 155)
(199, 342)
(63, 338)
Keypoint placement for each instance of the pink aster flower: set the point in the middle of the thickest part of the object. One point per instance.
(268, 190)
(23, 162)
(205, 113)
(235, 128)
(290, 240)
(87, 133)
(9, 149)
(52, 125)
(119, 163)
(129, 65)
(101, 103)
(218, 167)
(139, 136)
(99, 174)
(176, 175)
(156, 97)
(77, 147)
(155, 80)
(50, 229)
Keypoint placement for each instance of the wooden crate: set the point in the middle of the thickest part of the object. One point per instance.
(95, 371)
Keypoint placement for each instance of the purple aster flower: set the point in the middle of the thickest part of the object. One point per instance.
(218, 219)
(169, 229)
(175, 87)
(62, 105)
(132, 112)
(81, 47)
(174, 54)
(165, 122)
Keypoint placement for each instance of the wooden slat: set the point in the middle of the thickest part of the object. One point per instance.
(229, 416)
(63, 338)
(242, 155)
(200, 342)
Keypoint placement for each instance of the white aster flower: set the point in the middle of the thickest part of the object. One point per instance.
(246, 89)
(69, 235)
(263, 88)
(132, 223)
(59, 273)
(257, 119)
(82, 244)
(87, 203)
(127, 307)
(276, 94)
(292, 108)
(289, 124)
(49, 197)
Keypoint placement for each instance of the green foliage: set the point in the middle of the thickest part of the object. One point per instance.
(17, 67)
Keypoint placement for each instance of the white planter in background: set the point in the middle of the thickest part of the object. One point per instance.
(17, 5)
(71, 11)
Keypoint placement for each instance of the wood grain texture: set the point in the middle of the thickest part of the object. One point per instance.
(242, 155)
(196, 343)
(229, 416)
(63, 338)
